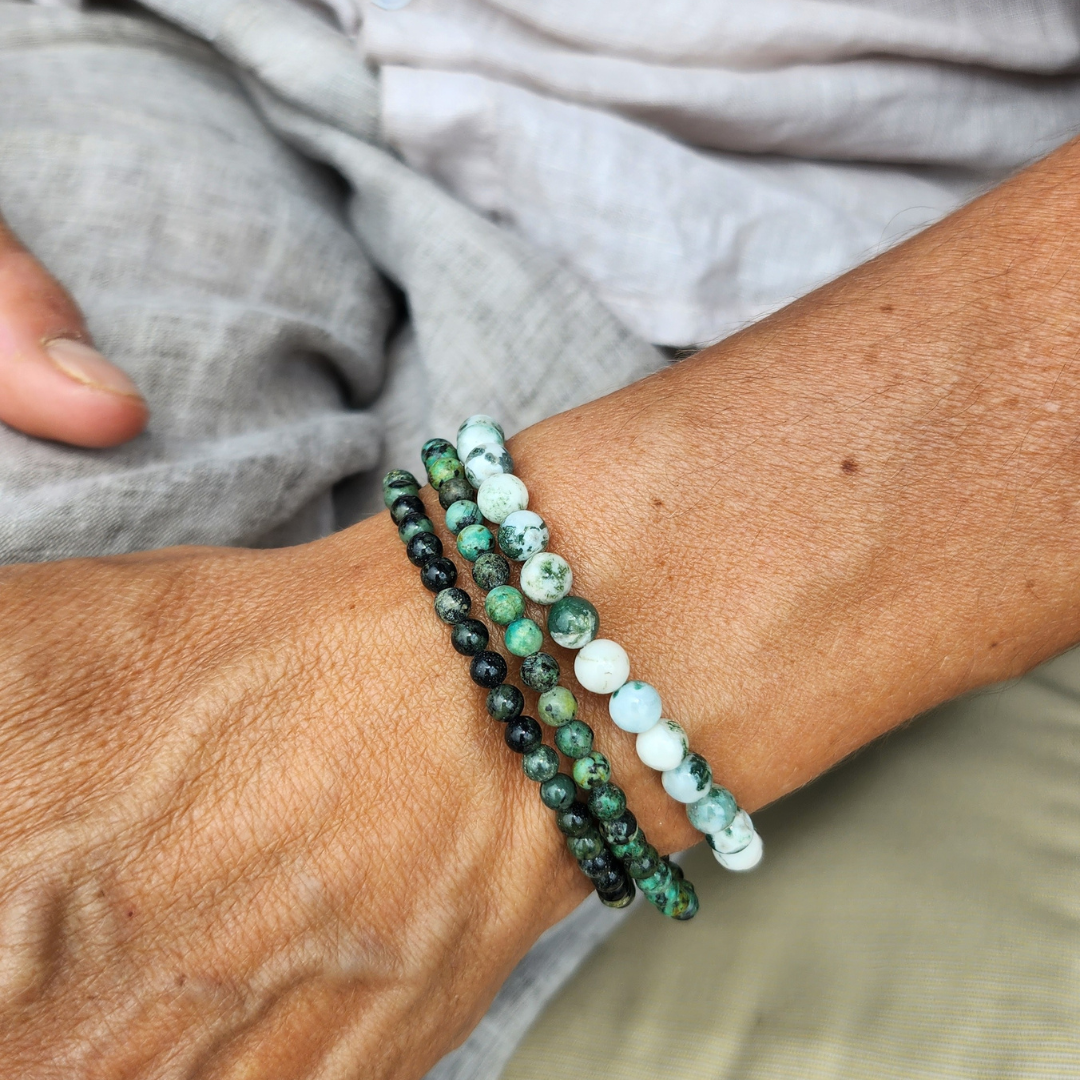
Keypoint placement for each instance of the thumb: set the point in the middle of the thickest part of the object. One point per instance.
(53, 383)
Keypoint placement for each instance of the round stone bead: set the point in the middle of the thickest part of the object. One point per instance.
(504, 604)
(422, 548)
(461, 514)
(546, 577)
(443, 468)
(592, 770)
(574, 820)
(474, 541)
(602, 867)
(523, 637)
(610, 882)
(559, 792)
(404, 506)
(487, 460)
(735, 837)
(746, 859)
(634, 707)
(413, 524)
(557, 706)
(713, 812)
(659, 880)
(488, 669)
(635, 845)
(663, 746)
(522, 534)
(540, 764)
(501, 495)
(475, 431)
(602, 666)
(572, 622)
(643, 866)
(504, 702)
(574, 739)
(523, 734)
(434, 448)
(607, 801)
(438, 574)
(396, 483)
(540, 672)
(691, 908)
(455, 490)
(484, 419)
(619, 830)
(585, 847)
(675, 900)
(620, 898)
(490, 571)
(689, 781)
(452, 606)
(469, 637)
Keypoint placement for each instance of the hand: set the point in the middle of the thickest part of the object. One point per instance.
(53, 383)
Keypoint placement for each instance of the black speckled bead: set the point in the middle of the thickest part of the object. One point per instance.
(619, 830)
(607, 802)
(609, 882)
(601, 863)
(396, 483)
(645, 865)
(434, 448)
(413, 524)
(490, 571)
(574, 739)
(523, 734)
(575, 820)
(452, 605)
(406, 505)
(585, 847)
(422, 548)
(438, 574)
(454, 489)
(487, 669)
(469, 637)
(619, 898)
(540, 764)
(505, 702)
(540, 672)
(559, 792)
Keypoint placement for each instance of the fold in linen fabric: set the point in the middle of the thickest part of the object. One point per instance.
(703, 163)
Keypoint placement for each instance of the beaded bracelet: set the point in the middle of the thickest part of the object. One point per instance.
(601, 665)
(660, 881)
(504, 701)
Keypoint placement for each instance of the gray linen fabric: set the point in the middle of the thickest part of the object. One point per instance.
(288, 333)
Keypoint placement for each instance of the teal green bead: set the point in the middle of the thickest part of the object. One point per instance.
(607, 801)
(461, 514)
(585, 847)
(443, 468)
(673, 901)
(504, 604)
(396, 483)
(540, 764)
(474, 541)
(557, 706)
(574, 739)
(523, 637)
(644, 865)
(592, 770)
(660, 880)
(714, 812)
(691, 908)
(413, 524)
(559, 792)
(572, 622)
(434, 448)
(635, 847)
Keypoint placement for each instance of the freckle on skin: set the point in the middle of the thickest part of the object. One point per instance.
(887, 308)
(849, 465)
(658, 502)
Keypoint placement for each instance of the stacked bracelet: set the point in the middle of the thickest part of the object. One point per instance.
(488, 467)
(601, 665)
(504, 701)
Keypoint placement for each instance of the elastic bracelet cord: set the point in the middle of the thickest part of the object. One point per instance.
(660, 880)
(601, 665)
(504, 701)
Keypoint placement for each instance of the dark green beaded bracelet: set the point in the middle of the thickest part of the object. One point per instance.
(504, 702)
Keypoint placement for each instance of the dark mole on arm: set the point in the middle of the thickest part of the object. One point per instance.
(849, 465)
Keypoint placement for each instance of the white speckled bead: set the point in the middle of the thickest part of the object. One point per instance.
(602, 666)
(487, 459)
(546, 577)
(663, 746)
(714, 811)
(635, 707)
(486, 421)
(734, 838)
(689, 780)
(522, 534)
(475, 432)
(502, 495)
(746, 859)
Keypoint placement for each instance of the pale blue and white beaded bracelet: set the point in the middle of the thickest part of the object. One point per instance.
(601, 665)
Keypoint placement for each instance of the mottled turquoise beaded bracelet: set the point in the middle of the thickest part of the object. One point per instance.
(601, 665)
(661, 883)
(505, 702)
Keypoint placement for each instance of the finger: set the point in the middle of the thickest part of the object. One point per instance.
(53, 383)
